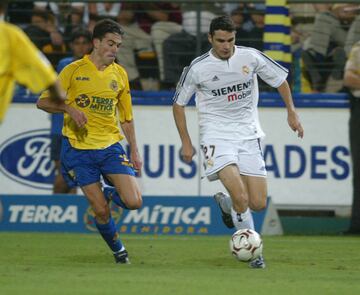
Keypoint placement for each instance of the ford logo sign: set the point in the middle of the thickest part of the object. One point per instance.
(25, 158)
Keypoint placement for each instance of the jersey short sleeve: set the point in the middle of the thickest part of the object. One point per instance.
(186, 86)
(65, 76)
(269, 70)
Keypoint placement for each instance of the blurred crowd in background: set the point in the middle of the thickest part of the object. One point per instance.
(163, 37)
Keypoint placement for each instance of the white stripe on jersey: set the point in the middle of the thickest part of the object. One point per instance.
(185, 71)
(227, 92)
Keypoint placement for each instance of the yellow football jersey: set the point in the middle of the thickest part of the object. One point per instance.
(102, 96)
(22, 62)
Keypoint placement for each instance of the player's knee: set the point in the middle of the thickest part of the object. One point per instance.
(258, 205)
(134, 203)
(241, 203)
(102, 213)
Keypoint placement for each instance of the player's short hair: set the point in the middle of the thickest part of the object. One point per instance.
(223, 23)
(105, 26)
(80, 32)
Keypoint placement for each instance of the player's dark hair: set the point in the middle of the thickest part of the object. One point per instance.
(223, 23)
(105, 26)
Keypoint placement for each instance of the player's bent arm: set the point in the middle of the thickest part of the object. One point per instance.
(129, 131)
(50, 105)
(180, 121)
(352, 79)
(293, 118)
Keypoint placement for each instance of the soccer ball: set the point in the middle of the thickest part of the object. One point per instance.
(246, 245)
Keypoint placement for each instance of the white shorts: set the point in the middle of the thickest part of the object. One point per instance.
(246, 154)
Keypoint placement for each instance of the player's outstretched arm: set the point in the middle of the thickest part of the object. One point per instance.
(293, 118)
(187, 151)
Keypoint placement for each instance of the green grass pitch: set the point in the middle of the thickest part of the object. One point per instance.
(38, 263)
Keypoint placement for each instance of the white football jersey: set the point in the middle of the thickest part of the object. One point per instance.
(227, 93)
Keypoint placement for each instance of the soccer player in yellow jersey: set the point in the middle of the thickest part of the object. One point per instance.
(98, 98)
(22, 62)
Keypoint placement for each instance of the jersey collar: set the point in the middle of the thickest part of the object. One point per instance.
(88, 60)
(218, 59)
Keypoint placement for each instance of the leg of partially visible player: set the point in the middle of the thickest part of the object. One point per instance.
(60, 185)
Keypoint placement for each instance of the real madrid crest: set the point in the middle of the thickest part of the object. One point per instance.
(245, 70)
(114, 85)
(210, 163)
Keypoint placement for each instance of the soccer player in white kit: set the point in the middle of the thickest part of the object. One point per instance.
(224, 81)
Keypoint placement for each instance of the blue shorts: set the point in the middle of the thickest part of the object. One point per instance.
(83, 167)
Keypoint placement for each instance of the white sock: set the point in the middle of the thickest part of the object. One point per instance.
(246, 220)
(122, 249)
